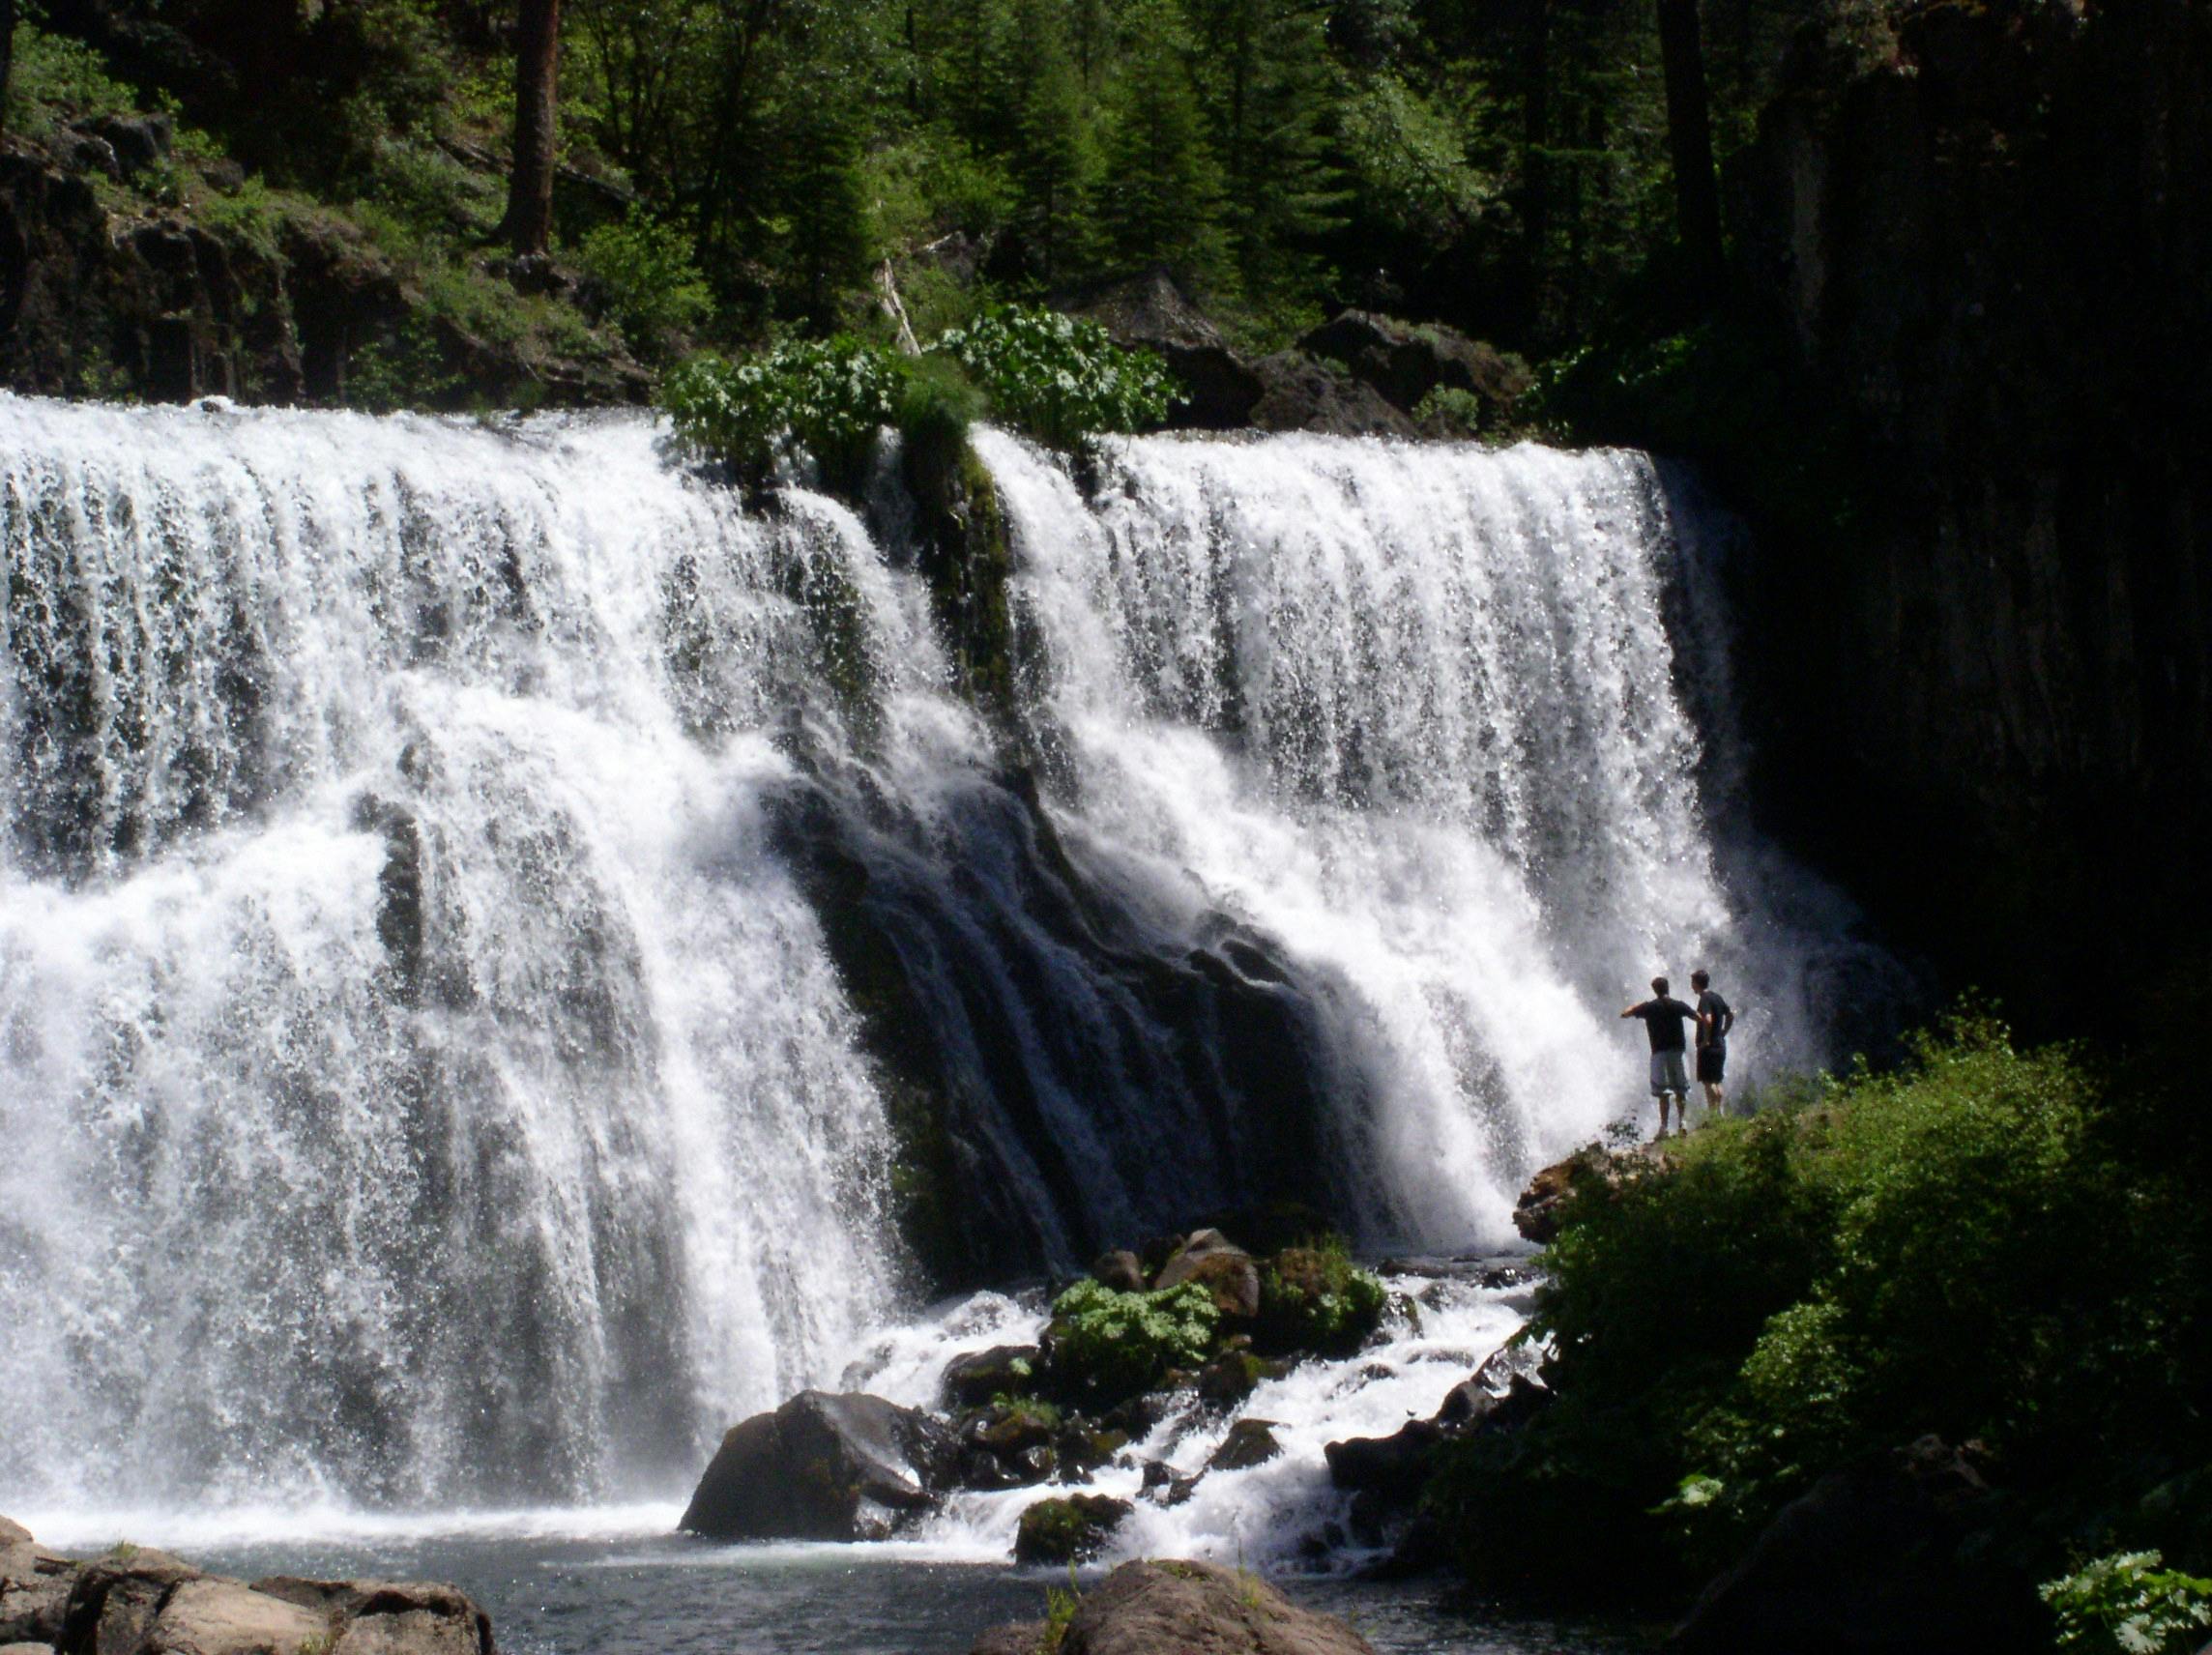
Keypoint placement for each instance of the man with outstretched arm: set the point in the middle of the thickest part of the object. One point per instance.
(1662, 1019)
(1715, 1021)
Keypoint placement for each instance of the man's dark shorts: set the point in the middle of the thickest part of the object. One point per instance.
(1711, 1060)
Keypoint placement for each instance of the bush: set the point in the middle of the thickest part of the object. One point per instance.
(1106, 1346)
(54, 79)
(820, 398)
(1947, 1249)
(1058, 379)
(2128, 1602)
(1315, 1298)
(651, 289)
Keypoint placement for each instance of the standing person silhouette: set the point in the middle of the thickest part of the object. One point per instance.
(1663, 1017)
(1715, 1021)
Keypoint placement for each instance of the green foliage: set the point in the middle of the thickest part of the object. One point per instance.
(1314, 1298)
(1447, 411)
(1056, 378)
(823, 399)
(1409, 160)
(54, 79)
(652, 288)
(1106, 1345)
(1950, 1249)
(2127, 1604)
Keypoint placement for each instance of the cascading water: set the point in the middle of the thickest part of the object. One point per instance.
(479, 909)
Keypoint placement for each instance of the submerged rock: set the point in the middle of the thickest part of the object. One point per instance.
(1068, 1530)
(822, 1467)
(1181, 1609)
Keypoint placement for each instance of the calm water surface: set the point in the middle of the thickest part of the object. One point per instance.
(667, 1595)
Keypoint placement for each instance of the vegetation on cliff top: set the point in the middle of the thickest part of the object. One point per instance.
(1973, 1246)
(725, 175)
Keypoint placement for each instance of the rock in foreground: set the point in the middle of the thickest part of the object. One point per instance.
(1185, 1608)
(134, 1601)
(822, 1467)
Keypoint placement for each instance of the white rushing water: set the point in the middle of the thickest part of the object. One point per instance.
(428, 1074)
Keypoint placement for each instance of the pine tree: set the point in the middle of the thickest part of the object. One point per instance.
(1161, 202)
(1052, 158)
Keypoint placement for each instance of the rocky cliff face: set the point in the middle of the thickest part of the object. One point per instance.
(1990, 256)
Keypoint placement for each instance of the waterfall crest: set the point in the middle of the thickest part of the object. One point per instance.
(495, 937)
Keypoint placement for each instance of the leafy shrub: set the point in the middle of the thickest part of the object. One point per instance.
(652, 288)
(1947, 1249)
(1058, 379)
(1448, 411)
(54, 79)
(2128, 1602)
(1107, 1345)
(1316, 1298)
(819, 399)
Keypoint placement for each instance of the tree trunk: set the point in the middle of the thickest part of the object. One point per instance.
(529, 223)
(1690, 139)
(7, 54)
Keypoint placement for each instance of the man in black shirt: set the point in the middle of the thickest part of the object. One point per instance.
(1715, 1021)
(1663, 1019)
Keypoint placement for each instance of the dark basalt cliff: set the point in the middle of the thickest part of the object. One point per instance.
(1990, 260)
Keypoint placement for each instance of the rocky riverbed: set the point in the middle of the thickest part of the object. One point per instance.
(133, 1600)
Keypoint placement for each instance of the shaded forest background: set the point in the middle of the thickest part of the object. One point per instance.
(731, 169)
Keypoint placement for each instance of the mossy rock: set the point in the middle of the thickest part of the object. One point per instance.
(1068, 1530)
(1315, 1301)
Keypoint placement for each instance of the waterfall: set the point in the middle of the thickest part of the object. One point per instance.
(495, 936)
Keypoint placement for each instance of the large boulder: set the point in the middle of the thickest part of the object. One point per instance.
(34, 1588)
(1183, 1609)
(1537, 1212)
(389, 1617)
(1875, 1557)
(822, 1467)
(1250, 1442)
(1394, 1466)
(1305, 394)
(136, 1601)
(1150, 312)
(1219, 1265)
(1406, 360)
(1068, 1530)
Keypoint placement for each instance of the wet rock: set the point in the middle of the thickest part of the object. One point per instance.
(1083, 1448)
(1232, 1377)
(1219, 1265)
(1250, 1442)
(1069, 1529)
(1406, 360)
(389, 1617)
(1875, 1557)
(1120, 1269)
(26, 1650)
(822, 1467)
(1182, 1607)
(1504, 1391)
(974, 1380)
(1165, 1485)
(1393, 1466)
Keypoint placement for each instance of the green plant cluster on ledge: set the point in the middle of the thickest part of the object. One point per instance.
(1053, 378)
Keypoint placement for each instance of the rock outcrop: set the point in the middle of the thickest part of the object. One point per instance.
(1151, 313)
(136, 1601)
(1405, 361)
(1182, 1609)
(1988, 257)
(822, 1467)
